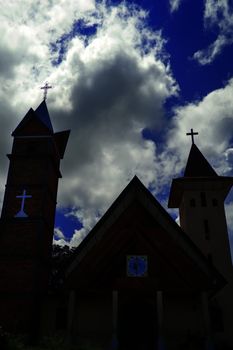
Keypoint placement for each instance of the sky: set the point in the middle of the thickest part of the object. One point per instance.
(130, 79)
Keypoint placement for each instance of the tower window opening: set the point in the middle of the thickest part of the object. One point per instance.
(206, 229)
(215, 202)
(192, 202)
(203, 199)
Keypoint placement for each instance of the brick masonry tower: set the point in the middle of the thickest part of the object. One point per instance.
(27, 220)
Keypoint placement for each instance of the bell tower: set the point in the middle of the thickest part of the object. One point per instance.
(200, 196)
(27, 220)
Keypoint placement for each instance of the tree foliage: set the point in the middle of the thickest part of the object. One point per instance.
(61, 258)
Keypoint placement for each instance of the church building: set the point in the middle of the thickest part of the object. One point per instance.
(138, 280)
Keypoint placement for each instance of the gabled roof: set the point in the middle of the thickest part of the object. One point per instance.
(163, 232)
(39, 117)
(197, 165)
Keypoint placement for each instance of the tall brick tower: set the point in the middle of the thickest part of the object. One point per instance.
(27, 221)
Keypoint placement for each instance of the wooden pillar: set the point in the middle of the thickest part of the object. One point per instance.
(160, 314)
(205, 310)
(71, 313)
(114, 345)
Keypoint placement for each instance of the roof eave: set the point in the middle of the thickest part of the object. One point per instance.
(179, 185)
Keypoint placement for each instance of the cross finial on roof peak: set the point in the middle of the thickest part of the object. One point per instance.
(45, 88)
(192, 133)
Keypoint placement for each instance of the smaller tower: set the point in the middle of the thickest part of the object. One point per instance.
(200, 196)
(27, 220)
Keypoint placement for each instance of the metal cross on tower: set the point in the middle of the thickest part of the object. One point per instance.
(45, 88)
(192, 133)
(21, 213)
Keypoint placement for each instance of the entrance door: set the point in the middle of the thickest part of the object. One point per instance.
(136, 322)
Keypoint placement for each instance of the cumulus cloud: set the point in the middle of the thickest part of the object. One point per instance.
(212, 117)
(217, 14)
(59, 237)
(118, 89)
(58, 234)
(107, 87)
(27, 28)
(61, 242)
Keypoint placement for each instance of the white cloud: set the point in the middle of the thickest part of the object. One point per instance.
(207, 55)
(61, 242)
(59, 237)
(216, 10)
(58, 234)
(107, 88)
(217, 13)
(116, 90)
(174, 5)
(212, 117)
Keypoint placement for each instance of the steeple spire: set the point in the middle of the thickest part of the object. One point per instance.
(197, 170)
(38, 116)
(43, 114)
(197, 165)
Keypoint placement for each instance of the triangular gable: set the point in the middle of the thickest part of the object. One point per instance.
(34, 123)
(197, 165)
(136, 224)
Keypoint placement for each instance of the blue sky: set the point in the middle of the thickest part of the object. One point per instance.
(129, 79)
(185, 32)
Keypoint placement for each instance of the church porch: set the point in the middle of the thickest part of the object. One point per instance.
(142, 321)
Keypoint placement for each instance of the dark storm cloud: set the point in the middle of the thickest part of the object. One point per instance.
(8, 61)
(111, 101)
(117, 85)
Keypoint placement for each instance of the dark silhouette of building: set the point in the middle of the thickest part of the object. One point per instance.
(138, 280)
(27, 220)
